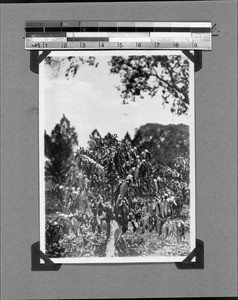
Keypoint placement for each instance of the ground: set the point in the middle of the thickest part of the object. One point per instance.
(77, 239)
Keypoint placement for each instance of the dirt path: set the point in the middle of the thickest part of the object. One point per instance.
(110, 251)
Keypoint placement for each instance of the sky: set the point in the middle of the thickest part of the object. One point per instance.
(91, 101)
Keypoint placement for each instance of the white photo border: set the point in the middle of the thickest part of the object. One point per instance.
(116, 260)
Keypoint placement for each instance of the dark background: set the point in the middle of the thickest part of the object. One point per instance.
(216, 203)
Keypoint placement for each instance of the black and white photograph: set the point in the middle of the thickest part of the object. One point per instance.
(117, 156)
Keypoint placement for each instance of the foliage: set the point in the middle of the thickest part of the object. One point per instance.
(53, 233)
(89, 244)
(127, 139)
(165, 142)
(135, 242)
(69, 65)
(149, 74)
(72, 243)
(113, 180)
(59, 148)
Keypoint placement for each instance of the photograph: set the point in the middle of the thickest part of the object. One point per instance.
(117, 156)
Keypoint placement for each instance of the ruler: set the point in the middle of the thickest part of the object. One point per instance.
(82, 35)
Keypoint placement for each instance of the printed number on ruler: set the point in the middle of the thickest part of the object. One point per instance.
(64, 45)
(35, 45)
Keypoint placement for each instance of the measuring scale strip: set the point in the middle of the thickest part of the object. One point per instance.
(117, 45)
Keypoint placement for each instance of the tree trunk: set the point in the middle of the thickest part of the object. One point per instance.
(110, 251)
(112, 187)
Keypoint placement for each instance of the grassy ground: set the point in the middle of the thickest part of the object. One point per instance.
(151, 244)
(167, 247)
(87, 243)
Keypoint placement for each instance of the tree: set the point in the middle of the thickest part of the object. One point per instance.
(165, 142)
(110, 139)
(127, 139)
(58, 149)
(141, 75)
(95, 144)
(149, 74)
(116, 183)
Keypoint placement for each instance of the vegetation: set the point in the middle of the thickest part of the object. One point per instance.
(116, 198)
(58, 149)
